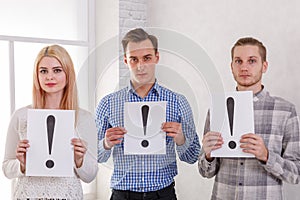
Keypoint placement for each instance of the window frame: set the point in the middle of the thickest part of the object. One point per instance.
(90, 43)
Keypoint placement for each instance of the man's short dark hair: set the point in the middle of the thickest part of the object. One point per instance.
(138, 35)
(251, 41)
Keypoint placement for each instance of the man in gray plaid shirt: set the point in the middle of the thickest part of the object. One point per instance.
(275, 144)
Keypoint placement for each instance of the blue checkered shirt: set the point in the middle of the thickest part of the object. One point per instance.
(144, 173)
(276, 121)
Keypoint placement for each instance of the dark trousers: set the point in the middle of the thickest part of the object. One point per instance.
(167, 193)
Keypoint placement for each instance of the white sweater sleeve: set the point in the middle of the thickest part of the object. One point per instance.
(16, 131)
(86, 130)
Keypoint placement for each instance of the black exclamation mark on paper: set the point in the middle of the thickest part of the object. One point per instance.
(50, 132)
(230, 112)
(145, 111)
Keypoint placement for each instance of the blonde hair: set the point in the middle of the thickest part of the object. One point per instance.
(69, 100)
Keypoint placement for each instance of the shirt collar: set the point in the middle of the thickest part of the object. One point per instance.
(155, 88)
(262, 93)
(259, 94)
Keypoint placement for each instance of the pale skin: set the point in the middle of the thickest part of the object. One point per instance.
(247, 68)
(52, 80)
(141, 59)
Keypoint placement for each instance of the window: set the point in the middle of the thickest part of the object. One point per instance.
(55, 19)
(26, 27)
(5, 111)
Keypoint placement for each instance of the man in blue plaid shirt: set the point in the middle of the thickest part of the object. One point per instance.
(145, 176)
(275, 144)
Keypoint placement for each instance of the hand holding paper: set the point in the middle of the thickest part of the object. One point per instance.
(113, 136)
(254, 144)
(21, 153)
(79, 151)
(174, 130)
(211, 141)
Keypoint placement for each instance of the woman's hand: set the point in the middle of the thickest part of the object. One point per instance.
(79, 151)
(21, 153)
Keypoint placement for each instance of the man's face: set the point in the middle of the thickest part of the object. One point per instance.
(141, 59)
(247, 67)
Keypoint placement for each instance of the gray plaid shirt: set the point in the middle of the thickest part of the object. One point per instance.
(276, 121)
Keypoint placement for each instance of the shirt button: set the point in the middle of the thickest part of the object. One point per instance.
(242, 163)
(240, 183)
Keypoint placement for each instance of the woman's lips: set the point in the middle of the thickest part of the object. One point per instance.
(50, 84)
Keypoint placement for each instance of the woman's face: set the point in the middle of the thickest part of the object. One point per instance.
(52, 77)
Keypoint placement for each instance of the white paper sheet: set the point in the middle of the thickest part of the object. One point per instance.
(144, 136)
(242, 123)
(44, 158)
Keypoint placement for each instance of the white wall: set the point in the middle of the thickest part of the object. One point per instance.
(107, 69)
(215, 26)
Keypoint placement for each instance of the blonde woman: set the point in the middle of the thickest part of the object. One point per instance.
(54, 87)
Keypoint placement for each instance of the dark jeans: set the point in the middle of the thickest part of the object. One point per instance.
(167, 193)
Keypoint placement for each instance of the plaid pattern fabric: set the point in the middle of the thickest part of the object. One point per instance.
(144, 173)
(277, 123)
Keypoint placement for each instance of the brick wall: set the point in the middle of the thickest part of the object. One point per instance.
(132, 14)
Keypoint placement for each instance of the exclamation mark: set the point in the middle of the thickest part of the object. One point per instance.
(50, 132)
(145, 111)
(230, 112)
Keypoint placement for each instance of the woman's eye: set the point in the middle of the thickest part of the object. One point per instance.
(57, 70)
(43, 71)
(238, 61)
